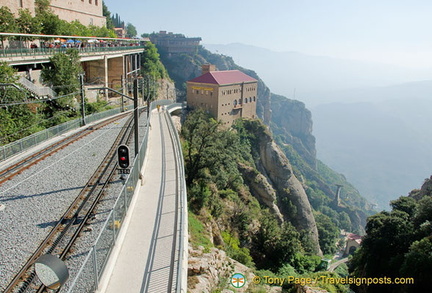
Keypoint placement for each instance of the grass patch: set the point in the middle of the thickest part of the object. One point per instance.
(198, 234)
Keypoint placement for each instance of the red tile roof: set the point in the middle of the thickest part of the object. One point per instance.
(223, 77)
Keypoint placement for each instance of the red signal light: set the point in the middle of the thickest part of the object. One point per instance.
(123, 156)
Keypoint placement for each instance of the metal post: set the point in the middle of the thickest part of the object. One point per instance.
(95, 267)
(81, 78)
(123, 83)
(135, 95)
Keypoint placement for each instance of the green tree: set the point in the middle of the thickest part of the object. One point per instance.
(389, 236)
(275, 245)
(328, 233)
(152, 66)
(418, 265)
(131, 31)
(62, 76)
(7, 22)
(16, 120)
(27, 24)
(42, 7)
(200, 134)
(107, 14)
(63, 72)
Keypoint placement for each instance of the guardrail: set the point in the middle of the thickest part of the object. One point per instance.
(88, 277)
(51, 51)
(182, 269)
(27, 142)
(40, 91)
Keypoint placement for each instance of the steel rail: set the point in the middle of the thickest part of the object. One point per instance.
(57, 234)
(27, 162)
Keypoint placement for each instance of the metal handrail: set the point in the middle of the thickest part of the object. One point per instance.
(37, 90)
(52, 51)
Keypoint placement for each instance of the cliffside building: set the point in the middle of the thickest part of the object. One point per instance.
(226, 95)
(87, 12)
(174, 43)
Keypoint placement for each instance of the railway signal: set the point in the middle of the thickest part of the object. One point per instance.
(123, 156)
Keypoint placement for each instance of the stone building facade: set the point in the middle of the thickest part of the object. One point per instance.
(87, 12)
(175, 43)
(226, 95)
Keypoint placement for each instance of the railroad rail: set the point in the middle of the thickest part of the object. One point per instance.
(17, 168)
(63, 235)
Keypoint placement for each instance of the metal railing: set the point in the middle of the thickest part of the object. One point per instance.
(27, 142)
(51, 51)
(182, 269)
(87, 279)
(40, 91)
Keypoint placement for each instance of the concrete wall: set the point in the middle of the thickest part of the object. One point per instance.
(88, 12)
(16, 5)
(85, 11)
(115, 72)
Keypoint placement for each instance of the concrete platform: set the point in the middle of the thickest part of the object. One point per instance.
(141, 258)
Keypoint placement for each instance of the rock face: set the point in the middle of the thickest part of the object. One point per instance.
(261, 189)
(274, 165)
(293, 122)
(210, 270)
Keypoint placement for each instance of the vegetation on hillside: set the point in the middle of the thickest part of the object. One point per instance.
(151, 63)
(398, 244)
(21, 114)
(219, 198)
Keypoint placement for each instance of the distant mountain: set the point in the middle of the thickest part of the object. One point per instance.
(305, 77)
(371, 121)
(383, 148)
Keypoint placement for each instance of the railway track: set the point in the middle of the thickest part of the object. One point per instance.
(33, 159)
(62, 237)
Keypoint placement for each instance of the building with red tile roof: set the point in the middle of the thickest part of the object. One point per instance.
(227, 95)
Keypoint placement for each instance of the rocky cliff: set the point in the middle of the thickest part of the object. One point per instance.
(291, 197)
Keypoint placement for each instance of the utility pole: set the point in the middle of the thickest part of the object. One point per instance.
(81, 78)
(135, 95)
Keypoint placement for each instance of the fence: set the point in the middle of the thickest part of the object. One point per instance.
(27, 142)
(43, 52)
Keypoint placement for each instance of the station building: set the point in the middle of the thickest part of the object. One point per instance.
(226, 95)
(87, 12)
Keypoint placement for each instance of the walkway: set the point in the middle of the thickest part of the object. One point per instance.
(142, 258)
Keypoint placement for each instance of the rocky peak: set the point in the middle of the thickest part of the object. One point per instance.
(274, 165)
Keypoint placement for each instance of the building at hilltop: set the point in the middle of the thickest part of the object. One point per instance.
(226, 95)
(87, 12)
(174, 43)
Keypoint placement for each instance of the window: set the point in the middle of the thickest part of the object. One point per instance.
(254, 99)
(96, 2)
(235, 103)
(250, 99)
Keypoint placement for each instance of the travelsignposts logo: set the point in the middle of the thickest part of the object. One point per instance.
(238, 280)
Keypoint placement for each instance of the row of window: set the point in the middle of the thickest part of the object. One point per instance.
(204, 92)
(236, 91)
(250, 99)
(90, 2)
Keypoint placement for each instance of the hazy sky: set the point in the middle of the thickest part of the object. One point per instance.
(390, 31)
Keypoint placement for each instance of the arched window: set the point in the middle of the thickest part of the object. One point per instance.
(235, 103)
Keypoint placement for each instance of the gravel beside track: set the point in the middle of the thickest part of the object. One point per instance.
(35, 199)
